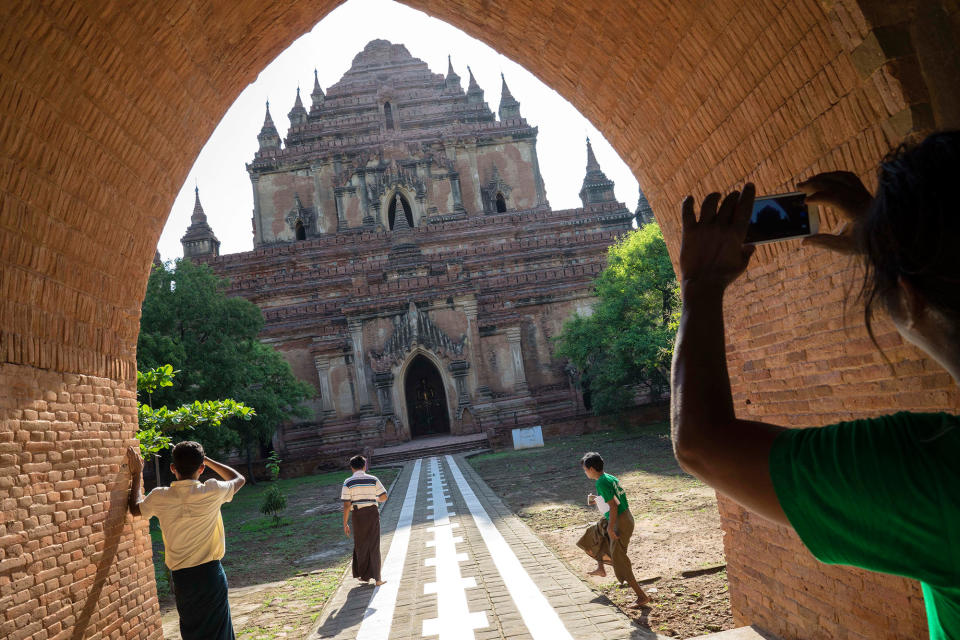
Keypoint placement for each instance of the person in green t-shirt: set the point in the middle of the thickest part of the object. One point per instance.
(607, 540)
(881, 493)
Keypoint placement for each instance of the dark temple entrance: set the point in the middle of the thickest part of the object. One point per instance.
(426, 400)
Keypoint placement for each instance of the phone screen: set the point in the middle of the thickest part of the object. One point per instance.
(778, 218)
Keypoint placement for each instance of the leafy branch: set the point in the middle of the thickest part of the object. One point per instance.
(157, 426)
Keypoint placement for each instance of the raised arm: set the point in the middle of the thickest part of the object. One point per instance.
(227, 473)
(135, 462)
(709, 441)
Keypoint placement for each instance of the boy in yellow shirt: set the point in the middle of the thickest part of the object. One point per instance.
(192, 528)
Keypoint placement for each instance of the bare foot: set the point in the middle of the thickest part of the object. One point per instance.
(381, 582)
(641, 602)
(599, 572)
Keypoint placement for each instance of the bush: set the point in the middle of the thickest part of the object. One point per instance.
(274, 503)
(273, 465)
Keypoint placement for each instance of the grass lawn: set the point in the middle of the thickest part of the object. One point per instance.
(677, 524)
(280, 575)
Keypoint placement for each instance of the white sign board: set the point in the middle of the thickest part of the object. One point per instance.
(527, 438)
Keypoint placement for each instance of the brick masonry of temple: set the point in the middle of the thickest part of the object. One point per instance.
(408, 263)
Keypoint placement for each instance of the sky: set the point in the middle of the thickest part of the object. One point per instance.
(220, 172)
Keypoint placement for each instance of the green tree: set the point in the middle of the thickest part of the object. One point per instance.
(188, 321)
(157, 425)
(628, 339)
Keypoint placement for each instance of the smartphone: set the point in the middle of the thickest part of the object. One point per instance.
(781, 217)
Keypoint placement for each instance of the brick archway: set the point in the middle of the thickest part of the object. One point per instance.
(104, 106)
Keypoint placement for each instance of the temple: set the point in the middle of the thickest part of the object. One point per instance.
(408, 263)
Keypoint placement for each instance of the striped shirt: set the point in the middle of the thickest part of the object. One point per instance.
(362, 489)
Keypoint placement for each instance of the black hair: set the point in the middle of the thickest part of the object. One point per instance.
(912, 228)
(592, 460)
(357, 462)
(187, 457)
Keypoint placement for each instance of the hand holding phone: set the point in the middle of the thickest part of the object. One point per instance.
(781, 217)
(846, 193)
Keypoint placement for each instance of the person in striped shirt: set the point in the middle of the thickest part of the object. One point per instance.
(361, 493)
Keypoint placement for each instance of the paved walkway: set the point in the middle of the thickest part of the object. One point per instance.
(460, 566)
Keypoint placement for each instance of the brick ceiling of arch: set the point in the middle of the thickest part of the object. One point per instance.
(106, 105)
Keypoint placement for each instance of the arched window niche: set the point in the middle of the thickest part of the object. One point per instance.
(300, 230)
(501, 203)
(392, 210)
(388, 115)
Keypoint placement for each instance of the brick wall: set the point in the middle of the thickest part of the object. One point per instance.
(105, 105)
(68, 549)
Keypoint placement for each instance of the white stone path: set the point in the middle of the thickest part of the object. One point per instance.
(460, 566)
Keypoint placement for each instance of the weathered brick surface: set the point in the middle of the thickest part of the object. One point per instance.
(73, 564)
(104, 106)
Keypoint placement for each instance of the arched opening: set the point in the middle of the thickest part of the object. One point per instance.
(426, 399)
(501, 203)
(301, 231)
(841, 117)
(392, 210)
(388, 115)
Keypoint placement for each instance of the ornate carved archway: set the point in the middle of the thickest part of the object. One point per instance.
(426, 399)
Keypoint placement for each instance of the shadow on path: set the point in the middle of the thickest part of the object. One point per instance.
(348, 615)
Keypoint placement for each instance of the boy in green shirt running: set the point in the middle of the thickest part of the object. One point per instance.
(607, 540)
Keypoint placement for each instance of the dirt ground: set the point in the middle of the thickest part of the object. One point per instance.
(677, 524)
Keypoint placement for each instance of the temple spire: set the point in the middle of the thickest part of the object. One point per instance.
(474, 92)
(644, 212)
(592, 164)
(198, 216)
(400, 224)
(199, 240)
(297, 115)
(268, 136)
(268, 120)
(509, 107)
(452, 81)
(597, 188)
(403, 245)
(316, 96)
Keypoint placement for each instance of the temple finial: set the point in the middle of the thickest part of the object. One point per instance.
(297, 115)
(509, 107)
(474, 92)
(269, 137)
(316, 96)
(597, 188)
(452, 81)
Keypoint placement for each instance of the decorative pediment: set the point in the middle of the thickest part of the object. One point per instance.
(495, 185)
(299, 213)
(395, 177)
(409, 330)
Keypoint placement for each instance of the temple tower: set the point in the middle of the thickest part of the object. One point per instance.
(199, 240)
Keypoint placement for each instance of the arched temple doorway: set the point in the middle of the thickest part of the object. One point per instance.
(426, 399)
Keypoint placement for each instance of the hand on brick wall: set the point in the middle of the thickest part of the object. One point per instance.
(134, 461)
